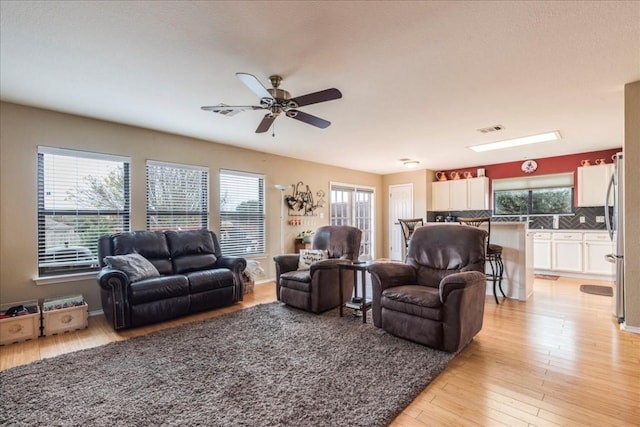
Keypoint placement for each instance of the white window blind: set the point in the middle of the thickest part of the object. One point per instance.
(177, 196)
(242, 221)
(556, 180)
(81, 196)
(353, 205)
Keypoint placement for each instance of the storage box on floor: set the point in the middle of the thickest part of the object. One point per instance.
(23, 325)
(63, 314)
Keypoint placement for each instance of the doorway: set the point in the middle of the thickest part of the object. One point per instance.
(400, 206)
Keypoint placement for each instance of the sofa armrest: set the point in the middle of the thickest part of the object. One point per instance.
(237, 266)
(327, 264)
(387, 275)
(284, 264)
(461, 280)
(113, 291)
(390, 274)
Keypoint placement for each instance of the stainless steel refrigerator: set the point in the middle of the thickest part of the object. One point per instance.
(614, 218)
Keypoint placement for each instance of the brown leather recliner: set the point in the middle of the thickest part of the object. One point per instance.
(437, 296)
(317, 289)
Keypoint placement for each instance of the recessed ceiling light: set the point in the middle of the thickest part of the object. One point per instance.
(411, 164)
(515, 142)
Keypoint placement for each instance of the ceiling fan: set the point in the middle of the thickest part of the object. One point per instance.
(277, 101)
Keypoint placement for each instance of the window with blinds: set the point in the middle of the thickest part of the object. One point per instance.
(537, 195)
(81, 196)
(353, 205)
(177, 196)
(242, 219)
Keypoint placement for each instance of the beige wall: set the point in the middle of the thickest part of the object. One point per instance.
(23, 129)
(632, 203)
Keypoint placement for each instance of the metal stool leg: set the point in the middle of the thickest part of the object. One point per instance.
(501, 272)
(493, 276)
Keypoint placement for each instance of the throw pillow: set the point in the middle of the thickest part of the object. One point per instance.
(135, 266)
(309, 256)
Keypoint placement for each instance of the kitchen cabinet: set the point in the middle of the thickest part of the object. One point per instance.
(542, 251)
(460, 194)
(572, 252)
(440, 196)
(592, 184)
(566, 252)
(596, 246)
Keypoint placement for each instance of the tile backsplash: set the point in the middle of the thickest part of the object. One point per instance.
(566, 222)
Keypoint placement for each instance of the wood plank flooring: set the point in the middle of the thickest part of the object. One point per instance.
(558, 359)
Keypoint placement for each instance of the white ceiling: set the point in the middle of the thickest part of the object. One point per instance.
(418, 78)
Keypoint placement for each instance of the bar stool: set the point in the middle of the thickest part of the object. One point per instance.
(408, 225)
(494, 254)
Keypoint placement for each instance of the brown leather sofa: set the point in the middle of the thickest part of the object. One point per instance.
(317, 289)
(187, 274)
(437, 296)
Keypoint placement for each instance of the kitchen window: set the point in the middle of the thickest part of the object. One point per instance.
(541, 195)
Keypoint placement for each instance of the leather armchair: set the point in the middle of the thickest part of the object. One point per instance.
(317, 289)
(436, 297)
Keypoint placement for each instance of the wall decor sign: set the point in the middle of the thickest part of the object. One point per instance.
(301, 201)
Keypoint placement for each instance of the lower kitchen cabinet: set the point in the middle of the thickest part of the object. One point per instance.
(575, 252)
(542, 251)
(596, 246)
(566, 252)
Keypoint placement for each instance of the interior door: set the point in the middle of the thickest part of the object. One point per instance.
(400, 206)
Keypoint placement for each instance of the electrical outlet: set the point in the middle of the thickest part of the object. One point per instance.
(600, 219)
(582, 220)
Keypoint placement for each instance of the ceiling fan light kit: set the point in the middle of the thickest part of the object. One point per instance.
(277, 101)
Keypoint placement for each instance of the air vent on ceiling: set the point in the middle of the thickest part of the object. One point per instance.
(490, 129)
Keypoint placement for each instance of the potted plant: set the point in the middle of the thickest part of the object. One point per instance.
(306, 236)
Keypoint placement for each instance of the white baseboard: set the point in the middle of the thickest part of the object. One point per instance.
(96, 312)
(627, 328)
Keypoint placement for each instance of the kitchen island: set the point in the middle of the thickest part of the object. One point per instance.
(517, 255)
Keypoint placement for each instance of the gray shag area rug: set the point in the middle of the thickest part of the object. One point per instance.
(269, 365)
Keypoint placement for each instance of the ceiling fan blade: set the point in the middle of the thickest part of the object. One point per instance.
(230, 110)
(308, 118)
(254, 84)
(315, 97)
(266, 123)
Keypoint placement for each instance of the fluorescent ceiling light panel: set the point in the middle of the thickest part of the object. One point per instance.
(515, 142)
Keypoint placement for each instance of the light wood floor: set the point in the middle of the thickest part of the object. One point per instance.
(558, 359)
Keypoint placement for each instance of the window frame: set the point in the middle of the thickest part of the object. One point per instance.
(66, 265)
(176, 213)
(228, 237)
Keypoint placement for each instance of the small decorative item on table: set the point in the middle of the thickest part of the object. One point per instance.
(19, 321)
(64, 314)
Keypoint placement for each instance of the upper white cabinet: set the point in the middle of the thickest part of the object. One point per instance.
(460, 194)
(592, 184)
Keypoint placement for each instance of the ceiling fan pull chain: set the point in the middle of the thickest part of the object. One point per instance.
(273, 135)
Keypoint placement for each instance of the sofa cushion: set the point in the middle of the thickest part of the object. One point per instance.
(158, 288)
(136, 266)
(202, 281)
(191, 250)
(150, 244)
(416, 300)
(298, 279)
(309, 256)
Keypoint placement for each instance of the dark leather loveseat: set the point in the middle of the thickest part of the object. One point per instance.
(190, 275)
